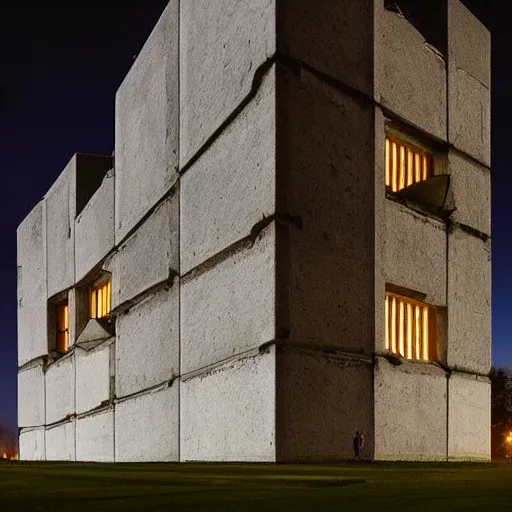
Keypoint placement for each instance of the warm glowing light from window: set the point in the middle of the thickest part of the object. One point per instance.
(406, 165)
(62, 338)
(101, 300)
(407, 327)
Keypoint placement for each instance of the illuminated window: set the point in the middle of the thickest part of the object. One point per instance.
(410, 328)
(100, 300)
(62, 328)
(406, 164)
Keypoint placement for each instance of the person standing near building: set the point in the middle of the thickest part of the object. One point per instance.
(358, 444)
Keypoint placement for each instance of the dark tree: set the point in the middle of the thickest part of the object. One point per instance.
(501, 409)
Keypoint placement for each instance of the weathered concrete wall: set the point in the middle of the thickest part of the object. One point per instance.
(148, 345)
(469, 80)
(60, 442)
(60, 230)
(147, 427)
(469, 417)
(92, 378)
(31, 397)
(471, 187)
(469, 302)
(333, 37)
(149, 256)
(225, 193)
(410, 411)
(228, 413)
(95, 437)
(222, 44)
(415, 252)
(31, 444)
(230, 307)
(147, 125)
(322, 400)
(94, 229)
(326, 189)
(60, 389)
(410, 76)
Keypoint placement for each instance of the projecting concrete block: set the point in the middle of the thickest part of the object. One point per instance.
(469, 300)
(31, 444)
(32, 329)
(31, 412)
(469, 418)
(410, 76)
(226, 192)
(148, 345)
(60, 442)
(147, 427)
(228, 413)
(60, 389)
(324, 399)
(334, 37)
(95, 437)
(147, 125)
(230, 307)
(94, 229)
(149, 256)
(415, 252)
(326, 250)
(471, 187)
(60, 229)
(222, 44)
(410, 411)
(92, 377)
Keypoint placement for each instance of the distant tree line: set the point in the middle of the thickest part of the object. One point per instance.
(7, 443)
(501, 411)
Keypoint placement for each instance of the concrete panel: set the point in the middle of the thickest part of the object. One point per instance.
(31, 445)
(471, 187)
(469, 42)
(334, 37)
(149, 255)
(60, 390)
(60, 229)
(60, 442)
(469, 303)
(94, 229)
(148, 345)
(470, 115)
(410, 75)
(415, 252)
(31, 399)
(469, 418)
(230, 308)
(323, 400)
(228, 414)
(326, 177)
(147, 427)
(95, 438)
(410, 411)
(226, 192)
(222, 44)
(147, 124)
(92, 378)
(32, 329)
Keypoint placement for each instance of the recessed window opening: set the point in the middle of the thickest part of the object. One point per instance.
(62, 328)
(406, 164)
(100, 300)
(410, 328)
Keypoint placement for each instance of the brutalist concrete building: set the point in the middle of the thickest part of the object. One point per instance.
(292, 244)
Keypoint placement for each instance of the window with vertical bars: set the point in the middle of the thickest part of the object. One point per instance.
(410, 328)
(62, 328)
(406, 164)
(101, 300)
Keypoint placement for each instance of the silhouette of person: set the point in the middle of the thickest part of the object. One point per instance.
(358, 444)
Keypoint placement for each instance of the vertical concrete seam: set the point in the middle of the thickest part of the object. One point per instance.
(179, 233)
(447, 343)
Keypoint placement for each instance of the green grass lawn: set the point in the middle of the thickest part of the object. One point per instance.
(172, 487)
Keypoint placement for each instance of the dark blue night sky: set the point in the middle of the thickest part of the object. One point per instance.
(60, 67)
